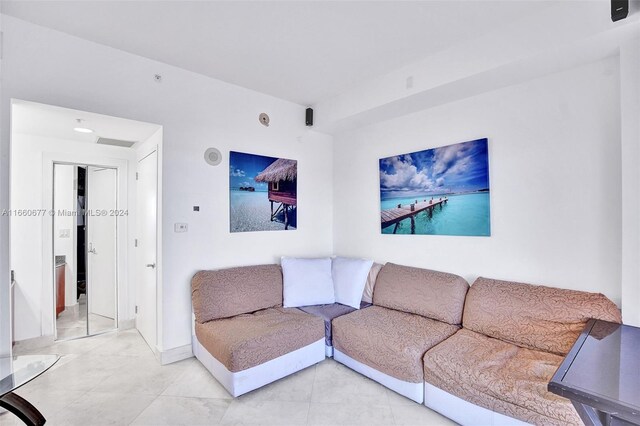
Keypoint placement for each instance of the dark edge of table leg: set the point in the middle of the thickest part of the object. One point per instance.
(588, 414)
(22, 409)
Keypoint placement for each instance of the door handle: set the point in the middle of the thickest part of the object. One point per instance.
(151, 265)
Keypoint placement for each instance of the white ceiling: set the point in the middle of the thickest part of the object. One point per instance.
(56, 122)
(302, 51)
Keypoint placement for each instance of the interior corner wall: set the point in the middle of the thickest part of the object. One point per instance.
(196, 113)
(555, 158)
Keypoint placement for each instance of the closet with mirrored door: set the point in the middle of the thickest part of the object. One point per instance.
(85, 250)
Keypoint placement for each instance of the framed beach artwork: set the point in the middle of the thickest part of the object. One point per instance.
(439, 191)
(262, 193)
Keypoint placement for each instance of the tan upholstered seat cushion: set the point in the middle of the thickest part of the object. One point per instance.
(432, 294)
(499, 376)
(392, 342)
(536, 317)
(248, 340)
(234, 291)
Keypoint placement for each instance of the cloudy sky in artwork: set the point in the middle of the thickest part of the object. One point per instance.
(463, 167)
(243, 168)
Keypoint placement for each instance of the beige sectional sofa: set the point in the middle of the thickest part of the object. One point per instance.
(479, 355)
(241, 333)
(514, 337)
(413, 310)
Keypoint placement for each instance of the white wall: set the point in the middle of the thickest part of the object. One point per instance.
(554, 153)
(531, 46)
(196, 112)
(31, 242)
(6, 337)
(65, 199)
(630, 105)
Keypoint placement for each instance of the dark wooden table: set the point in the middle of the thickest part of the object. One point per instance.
(601, 375)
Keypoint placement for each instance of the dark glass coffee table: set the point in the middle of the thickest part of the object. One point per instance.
(15, 372)
(601, 374)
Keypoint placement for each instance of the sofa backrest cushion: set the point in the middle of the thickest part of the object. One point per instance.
(367, 294)
(307, 281)
(533, 316)
(350, 277)
(229, 292)
(432, 294)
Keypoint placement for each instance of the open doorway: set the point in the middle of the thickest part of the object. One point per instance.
(85, 249)
(74, 242)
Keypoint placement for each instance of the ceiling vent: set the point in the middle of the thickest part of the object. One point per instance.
(115, 142)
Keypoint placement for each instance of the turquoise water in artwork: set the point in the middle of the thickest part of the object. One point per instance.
(251, 211)
(464, 214)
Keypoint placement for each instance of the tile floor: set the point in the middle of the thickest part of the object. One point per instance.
(114, 379)
(72, 322)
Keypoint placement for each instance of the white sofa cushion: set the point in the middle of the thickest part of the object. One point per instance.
(307, 282)
(349, 279)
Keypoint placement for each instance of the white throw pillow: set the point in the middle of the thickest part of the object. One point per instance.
(306, 282)
(349, 279)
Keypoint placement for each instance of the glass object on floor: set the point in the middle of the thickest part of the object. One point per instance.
(15, 372)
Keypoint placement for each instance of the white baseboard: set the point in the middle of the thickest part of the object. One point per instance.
(34, 343)
(127, 324)
(173, 355)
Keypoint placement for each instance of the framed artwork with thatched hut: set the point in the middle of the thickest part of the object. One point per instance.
(262, 193)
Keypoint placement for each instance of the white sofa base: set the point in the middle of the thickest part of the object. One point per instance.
(464, 412)
(328, 351)
(413, 391)
(252, 378)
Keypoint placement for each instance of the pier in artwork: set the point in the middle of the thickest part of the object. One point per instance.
(402, 212)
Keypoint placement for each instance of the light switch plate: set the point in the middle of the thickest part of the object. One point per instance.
(180, 227)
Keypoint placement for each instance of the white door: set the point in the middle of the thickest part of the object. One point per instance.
(101, 244)
(146, 253)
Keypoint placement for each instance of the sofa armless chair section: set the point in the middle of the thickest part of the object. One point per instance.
(495, 370)
(330, 312)
(243, 336)
(413, 310)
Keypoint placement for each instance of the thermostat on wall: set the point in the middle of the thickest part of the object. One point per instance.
(180, 227)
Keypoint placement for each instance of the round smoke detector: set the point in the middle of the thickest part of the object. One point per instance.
(264, 119)
(212, 156)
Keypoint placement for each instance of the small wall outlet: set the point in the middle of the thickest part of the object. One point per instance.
(64, 233)
(180, 227)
